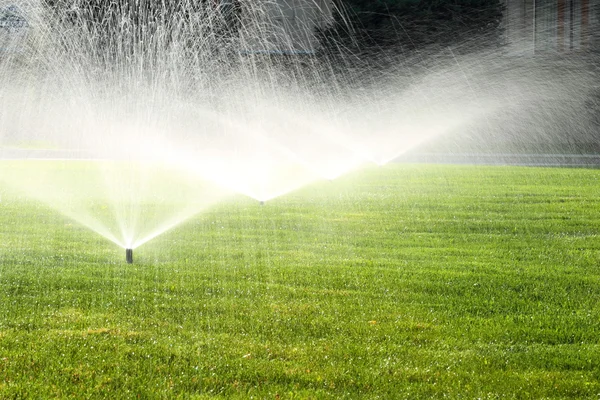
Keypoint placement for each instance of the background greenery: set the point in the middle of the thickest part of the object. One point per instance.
(363, 24)
(419, 24)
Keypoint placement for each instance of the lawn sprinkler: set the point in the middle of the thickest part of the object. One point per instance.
(129, 256)
(262, 202)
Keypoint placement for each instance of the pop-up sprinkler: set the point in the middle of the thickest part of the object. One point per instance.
(129, 256)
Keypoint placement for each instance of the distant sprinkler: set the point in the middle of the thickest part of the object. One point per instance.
(262, 203)
(129, 256)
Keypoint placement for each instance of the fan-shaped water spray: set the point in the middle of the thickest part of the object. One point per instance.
(157, 113)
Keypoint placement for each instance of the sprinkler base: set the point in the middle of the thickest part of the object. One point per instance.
(129, 256)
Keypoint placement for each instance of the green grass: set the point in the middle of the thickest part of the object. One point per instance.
(395, 282)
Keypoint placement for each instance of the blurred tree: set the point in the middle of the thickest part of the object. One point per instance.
(415, 24)
(361, 24)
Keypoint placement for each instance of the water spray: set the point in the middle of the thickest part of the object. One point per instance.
(129, 256)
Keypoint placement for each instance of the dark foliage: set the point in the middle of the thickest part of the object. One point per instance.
(118, 27)
(416, 24)
(361, 24)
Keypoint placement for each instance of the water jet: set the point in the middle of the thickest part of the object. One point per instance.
(134, 155)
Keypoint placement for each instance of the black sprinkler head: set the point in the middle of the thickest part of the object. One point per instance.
(129, 256)
(262, 203)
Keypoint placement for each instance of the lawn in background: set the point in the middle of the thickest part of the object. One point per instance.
(406, 281)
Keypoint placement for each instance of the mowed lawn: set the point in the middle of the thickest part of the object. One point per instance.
(406, 281)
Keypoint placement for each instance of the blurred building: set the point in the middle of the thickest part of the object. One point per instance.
(533, 26)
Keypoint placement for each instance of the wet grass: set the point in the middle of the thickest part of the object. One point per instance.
(395, 282)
